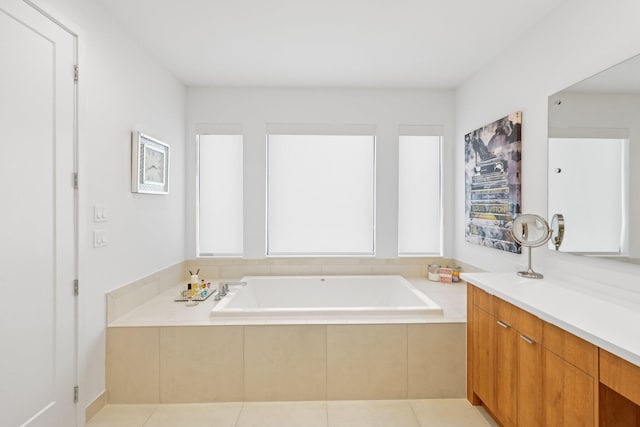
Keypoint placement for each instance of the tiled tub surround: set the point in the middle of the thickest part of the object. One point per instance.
(164, 352)
(180, 364)
(126, 298)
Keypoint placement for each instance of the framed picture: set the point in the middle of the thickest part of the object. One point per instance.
(492, 182)
(149, 165)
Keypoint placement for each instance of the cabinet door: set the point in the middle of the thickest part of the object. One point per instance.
(567, 394)
(506, 373)
(484, 356)
(529, 382)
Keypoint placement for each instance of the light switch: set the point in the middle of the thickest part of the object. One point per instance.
(100, 214)
(100, 238)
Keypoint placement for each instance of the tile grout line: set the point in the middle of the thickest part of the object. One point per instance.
(243, 374)
(239, 413)
(326, 372)
(155, 408)
(326, 366)
(413, 411)
(159, 362)
(407, 371)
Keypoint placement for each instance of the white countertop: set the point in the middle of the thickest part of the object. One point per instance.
(604, 316)
(162, 310)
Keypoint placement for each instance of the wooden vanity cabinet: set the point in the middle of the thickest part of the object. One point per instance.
(570, 379)
(506, 359)
(619, 392)
(528, 372)
(481, 342)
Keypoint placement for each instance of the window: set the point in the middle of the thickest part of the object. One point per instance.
(419, 201)
(320, 194)
(220, 195)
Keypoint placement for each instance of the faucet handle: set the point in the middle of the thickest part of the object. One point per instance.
(222, 290)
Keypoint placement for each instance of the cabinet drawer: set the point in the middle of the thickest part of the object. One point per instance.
(574, 350)
(524, 322)
(620, 375)
(505, 312)
(483, 300)
(529, 325)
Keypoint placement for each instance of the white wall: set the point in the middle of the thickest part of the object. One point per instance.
(578, 39)
(254, 108)
(121, 89)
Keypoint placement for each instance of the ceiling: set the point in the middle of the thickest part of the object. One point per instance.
(326, 43)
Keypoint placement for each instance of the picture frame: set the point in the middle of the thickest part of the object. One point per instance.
(149, 164)
(493, 157)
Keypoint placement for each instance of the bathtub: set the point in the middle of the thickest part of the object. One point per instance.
(313, 298)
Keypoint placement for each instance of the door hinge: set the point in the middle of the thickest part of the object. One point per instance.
(76, 73)
(76, 288)
(76, 394)
(75, 180)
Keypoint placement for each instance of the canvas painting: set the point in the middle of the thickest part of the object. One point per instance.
(492, 182)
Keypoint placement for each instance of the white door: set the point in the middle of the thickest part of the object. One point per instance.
(37, 216)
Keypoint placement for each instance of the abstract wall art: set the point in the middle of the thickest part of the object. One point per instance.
(492, 182)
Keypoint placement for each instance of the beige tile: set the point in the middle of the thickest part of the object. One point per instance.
(402, 269)
(346, 269)
(296, 270)
(280, 414)
(92, 408)
(437, 360)
(239, 271)
(285, 363)
(366, 362)
(177, 272)
(208, 272)
(122, 416)
(201, 364)
(125, 299)
(450, 413)
(371, 413)
(132, 365)
(195, 415)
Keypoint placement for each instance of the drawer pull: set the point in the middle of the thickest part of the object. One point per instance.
(503, 324)
(527, 339)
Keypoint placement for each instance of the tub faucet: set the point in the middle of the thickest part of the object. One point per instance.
(222, 289)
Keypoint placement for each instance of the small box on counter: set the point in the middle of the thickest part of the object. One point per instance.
(446, 275)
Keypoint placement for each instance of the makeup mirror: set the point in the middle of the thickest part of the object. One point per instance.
(530, 231)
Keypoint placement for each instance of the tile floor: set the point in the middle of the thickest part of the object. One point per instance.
(362, 413)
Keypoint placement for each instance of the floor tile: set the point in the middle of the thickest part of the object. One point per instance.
(122, 415)
(279, 414)
(450, 413)
(371, 413)
(195, 415)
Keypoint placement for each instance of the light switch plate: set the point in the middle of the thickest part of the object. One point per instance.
(100, 238)
(100, 214)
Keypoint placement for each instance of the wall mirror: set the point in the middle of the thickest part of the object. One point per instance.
(594, 143)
